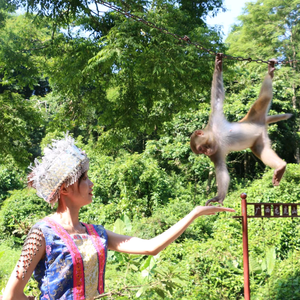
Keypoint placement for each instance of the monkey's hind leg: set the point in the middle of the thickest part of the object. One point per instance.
(278, 173)
(271, 159)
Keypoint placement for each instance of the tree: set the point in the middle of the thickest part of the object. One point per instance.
(20, 77)
(116, 77)
(270, 29)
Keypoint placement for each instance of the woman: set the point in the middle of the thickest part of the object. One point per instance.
(67, 256)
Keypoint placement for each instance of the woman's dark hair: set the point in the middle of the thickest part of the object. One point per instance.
(29, 180)
(80, 178)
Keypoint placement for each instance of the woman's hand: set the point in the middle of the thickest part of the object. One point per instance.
(210, 210)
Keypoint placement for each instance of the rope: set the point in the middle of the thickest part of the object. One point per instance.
(186, 38)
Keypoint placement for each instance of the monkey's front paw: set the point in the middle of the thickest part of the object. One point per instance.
(213, 200)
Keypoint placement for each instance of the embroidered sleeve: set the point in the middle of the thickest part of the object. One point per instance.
(32, 244)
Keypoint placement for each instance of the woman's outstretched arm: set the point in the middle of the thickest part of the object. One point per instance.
(134, 245)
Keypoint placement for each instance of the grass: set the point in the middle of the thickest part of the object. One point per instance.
(8, 259)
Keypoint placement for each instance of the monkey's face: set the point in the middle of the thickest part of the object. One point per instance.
(201, 143)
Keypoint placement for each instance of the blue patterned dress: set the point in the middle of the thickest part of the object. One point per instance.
(74, 265)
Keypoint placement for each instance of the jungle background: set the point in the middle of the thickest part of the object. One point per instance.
(131, 96)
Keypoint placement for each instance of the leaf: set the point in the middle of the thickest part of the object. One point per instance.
(128, 226)
(270, 260)
(146, 263)
(119, 256)
(141, 291)
(160, 292)
(134, 267)
(16, 239)
(110, 255)
(179, 281)
(254, 266)
(119, 227)
(152, 262)
(145, 273)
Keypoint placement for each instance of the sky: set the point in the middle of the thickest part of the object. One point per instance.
(234, 9)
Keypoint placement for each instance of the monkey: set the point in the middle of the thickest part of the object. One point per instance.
(221, 137)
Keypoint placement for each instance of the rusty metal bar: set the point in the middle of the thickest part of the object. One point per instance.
(273, 210)
(261, 217)
(245, 248)
(261, 210)
(263, 203)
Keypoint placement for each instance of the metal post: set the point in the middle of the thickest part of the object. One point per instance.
(245, 248)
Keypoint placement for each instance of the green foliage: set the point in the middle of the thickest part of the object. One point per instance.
(284, 281)
(19, 212)
(8, 259)
(273, 23)
(287, 192)
(19, 118)
(132, 96)
(10, 179)
(32, 289)
(153, 277)
(20, 41)
(132, 184)
(210, 260)
(146, 76)
(270, 29)
(125, 84)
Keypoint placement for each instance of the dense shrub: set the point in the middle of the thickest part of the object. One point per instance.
(132, 184)
(19, 212)
(208, 254)
(283, 283)
(10, 179)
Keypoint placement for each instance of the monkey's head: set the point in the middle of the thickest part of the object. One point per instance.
(202, 142)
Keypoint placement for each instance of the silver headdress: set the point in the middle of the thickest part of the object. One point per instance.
(62, 163)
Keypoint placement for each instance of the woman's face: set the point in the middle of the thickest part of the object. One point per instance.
(82, 190)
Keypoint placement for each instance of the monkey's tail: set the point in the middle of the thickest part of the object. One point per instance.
(276, 118)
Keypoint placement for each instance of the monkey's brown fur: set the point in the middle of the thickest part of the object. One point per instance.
(220, 136)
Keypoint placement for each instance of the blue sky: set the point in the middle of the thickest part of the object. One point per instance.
(234, 9)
